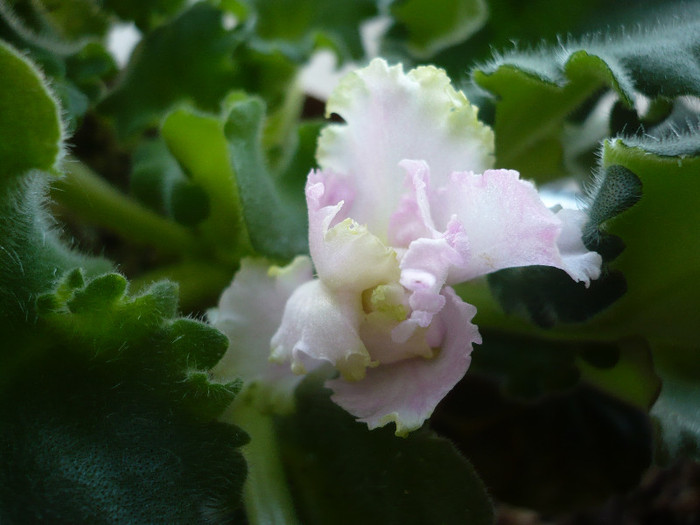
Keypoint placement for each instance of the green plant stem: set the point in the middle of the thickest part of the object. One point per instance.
(87, 195)
(265, 493)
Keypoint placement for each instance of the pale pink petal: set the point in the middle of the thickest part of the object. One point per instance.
(407, 392)
(390, 116)
(504, 219)
(426, 263)
(320, 325)
(580, 263)
(346, 255)
(412, 218)
(249, 312)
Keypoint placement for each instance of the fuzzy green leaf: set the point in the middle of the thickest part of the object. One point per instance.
(81, 445)
(276, 221)
(136, 337)
(31, 132)
(63, 38)
(660, 234)
(344, 474)
(538, 90)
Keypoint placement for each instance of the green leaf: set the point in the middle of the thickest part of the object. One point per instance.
(527, 23)
(249, 209)
(146, 14)
(74, 19)
(154, 173)
(616, 190)
(276, 221)
(31, 132)
(676, 412)
(567, 450)
(189, 58)
(548, 295)
(342, 473)
(198, 143)
(32, 258)
(63, 38)
(431, 27)
(79, 445)
(660, 234)
(538, 90)
(296, 27)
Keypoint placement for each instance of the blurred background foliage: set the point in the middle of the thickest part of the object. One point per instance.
(193, 153)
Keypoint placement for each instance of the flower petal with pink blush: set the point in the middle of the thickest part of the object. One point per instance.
(346, 256)
(495, 221)
(249, 312)
(322, 325)
(503, 217)
(578, 261)
(406, 392)
(390, 116)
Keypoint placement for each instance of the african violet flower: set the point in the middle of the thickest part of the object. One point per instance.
(404, 206)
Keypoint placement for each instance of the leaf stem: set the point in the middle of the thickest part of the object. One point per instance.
(265, 493)
(84, 193)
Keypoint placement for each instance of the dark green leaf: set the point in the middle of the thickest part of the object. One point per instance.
(342, 473)
(189, 58)
(568, 450)
(676, 412)
(78, 445)
(431, 27)
(297, 26)
(617, 189)
(548, 296)
(189, 203)
(146, 14)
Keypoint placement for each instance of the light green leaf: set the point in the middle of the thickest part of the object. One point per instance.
(660, 234)
(197, 141)
(31, 132)
(536, 91)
